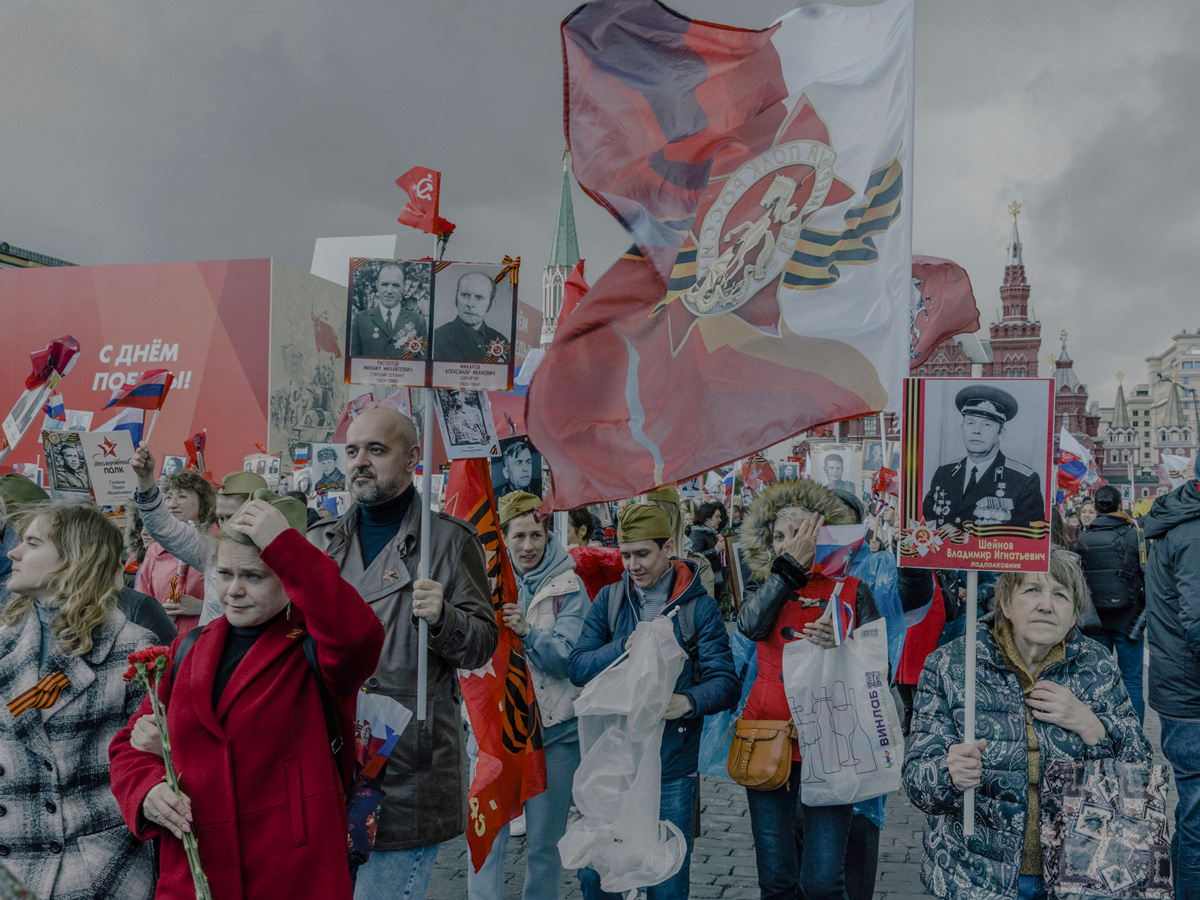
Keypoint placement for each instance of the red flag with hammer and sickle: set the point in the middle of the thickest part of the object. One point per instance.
(422, 186)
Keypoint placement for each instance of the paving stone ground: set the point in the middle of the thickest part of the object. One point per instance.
(723, 859)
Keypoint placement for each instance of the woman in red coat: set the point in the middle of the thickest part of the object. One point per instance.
(264, 793)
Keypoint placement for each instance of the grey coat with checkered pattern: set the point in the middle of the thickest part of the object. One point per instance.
(61, 831)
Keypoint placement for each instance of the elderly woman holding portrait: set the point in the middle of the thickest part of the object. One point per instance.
(1044, 692)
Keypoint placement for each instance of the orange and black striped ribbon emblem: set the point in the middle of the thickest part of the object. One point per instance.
(42, 695)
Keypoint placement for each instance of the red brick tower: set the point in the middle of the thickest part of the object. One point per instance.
(1016, 339)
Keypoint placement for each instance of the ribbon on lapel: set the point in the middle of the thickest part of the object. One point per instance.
(42, 695)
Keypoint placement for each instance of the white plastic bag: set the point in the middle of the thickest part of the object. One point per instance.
(850, 742)
(617, 786)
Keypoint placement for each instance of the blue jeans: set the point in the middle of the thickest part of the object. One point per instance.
(1181, 747)
(1131, 657)
(1031, 887)
(674, 806)
(545, 823)
(798, 847)
(396, 874)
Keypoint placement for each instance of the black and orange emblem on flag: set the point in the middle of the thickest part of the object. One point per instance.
(499, 697)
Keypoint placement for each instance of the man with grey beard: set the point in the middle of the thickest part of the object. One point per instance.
(376, 545)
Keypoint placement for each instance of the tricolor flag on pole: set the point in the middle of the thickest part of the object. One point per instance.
(131, 420)
(55, 408)
(841, 610)
(1074, 460)
(765, 179)
(837, 545)
(148, 392)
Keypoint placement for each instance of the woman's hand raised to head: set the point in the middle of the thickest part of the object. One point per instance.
(801, 543)
(259, 521)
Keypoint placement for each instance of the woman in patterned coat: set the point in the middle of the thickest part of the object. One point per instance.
(1043, 692)
(64, 647)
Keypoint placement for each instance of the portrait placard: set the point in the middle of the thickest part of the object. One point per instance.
(173, 465)
(66, 461)
(108, 455)
(465, 418)
(474, 320)
(976, 473)
(517, 468)
(387, 322)
(837, 466)
(329, 468)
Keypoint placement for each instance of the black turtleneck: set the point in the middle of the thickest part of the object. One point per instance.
(378, 524)
(241, 638)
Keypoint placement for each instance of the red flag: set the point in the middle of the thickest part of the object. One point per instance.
(943, 305)
(349, 414)
(325, 336)
(756, 474)
(58, 356)
(724, 329)
(422, 186)
(499, 697)
(195, 451)
(573, 291)
(886, 482)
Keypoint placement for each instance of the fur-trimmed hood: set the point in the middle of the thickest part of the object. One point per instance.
(759, 523)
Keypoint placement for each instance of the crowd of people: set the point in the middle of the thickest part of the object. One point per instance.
(280, 620)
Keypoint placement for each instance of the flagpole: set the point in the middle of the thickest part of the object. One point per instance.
(150, 430)
(969, 711)
(427, 427)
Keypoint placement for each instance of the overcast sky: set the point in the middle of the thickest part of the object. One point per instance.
(143, 132)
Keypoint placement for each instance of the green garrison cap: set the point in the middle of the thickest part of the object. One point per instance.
(17, 489)
(242, 483)
(293, 510)
(665, 494)
(642, 522)
(517, 503)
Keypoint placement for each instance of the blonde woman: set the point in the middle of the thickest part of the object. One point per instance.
(64, 645)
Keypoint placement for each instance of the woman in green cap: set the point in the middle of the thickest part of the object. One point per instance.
(547, 617)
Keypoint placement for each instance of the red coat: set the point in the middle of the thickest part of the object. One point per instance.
(767, 698)
(267, 801)
(921, 639)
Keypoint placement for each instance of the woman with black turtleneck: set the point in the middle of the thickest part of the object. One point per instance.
(248, 732)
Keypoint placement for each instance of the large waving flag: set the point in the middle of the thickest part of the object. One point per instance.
(1074, 460)
(148, 392)
(499, 697)
(943, 305)
(762, 176)
(1178, 469)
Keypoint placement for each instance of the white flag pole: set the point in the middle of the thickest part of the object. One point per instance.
(426, 550)
(969, 712)
(150, 430)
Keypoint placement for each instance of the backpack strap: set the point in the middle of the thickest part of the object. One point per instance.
(185, 644)
(616, 597)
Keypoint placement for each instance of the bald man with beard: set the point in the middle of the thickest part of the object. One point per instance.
(377, 546)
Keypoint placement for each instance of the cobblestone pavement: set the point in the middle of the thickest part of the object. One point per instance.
(723, 859)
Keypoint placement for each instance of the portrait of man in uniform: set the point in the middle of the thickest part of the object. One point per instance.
(985, 486)
(518, 468)
(331, 477)
(468, 337)
(384, 331)
(70, 473)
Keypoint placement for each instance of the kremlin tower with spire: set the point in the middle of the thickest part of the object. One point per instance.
(564, 256)
(1016, 339)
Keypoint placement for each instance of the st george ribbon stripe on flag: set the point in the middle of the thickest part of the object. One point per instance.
(764, 177)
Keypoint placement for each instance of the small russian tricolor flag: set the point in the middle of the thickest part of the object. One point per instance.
(837, 545)
(842, 612)
(129, 420)
(148, 392)
(55, 408)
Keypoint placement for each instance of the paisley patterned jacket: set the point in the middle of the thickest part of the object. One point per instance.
(986, 865)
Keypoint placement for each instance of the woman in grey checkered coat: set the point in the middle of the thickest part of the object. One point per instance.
(63, 653)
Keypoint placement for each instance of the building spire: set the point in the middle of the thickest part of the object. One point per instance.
(1173, 415)
(564, 250)
(1120, 409)
(1014, 247)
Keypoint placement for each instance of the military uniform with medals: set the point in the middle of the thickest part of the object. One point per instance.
(1000, 491)
(371, 336)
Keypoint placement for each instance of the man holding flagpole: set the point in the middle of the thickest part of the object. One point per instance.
(376, 545)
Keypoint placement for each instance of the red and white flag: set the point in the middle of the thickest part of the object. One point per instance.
(943, 305)
(423, 187)
(768, 196)
(499, 697)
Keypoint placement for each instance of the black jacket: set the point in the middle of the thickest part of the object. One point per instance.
(1173, 602)
(705, 542)
(142, 609)
(1109, 555)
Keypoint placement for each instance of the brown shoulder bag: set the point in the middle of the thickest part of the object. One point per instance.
(760, 756)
